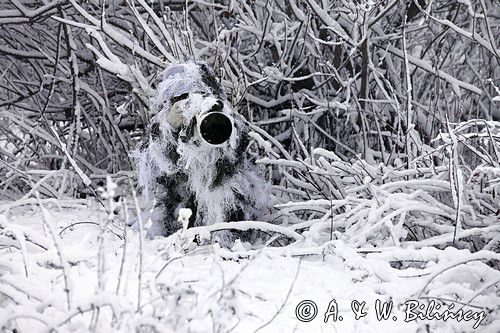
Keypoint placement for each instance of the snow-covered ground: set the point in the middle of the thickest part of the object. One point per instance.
(62, 272)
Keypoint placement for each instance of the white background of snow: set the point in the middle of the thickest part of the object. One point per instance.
(259, 290)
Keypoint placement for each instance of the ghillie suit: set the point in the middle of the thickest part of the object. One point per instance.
(195, 156)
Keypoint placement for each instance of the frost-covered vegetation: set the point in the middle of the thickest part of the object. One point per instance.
(376, 122)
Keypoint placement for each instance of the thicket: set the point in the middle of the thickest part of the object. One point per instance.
(375, 120)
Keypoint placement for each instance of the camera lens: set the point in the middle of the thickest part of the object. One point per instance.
(216, 128)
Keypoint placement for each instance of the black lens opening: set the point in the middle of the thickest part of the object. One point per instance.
(216, 128)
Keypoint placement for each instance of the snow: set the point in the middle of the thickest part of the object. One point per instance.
(352, 202)
(184, 215)
(209, 288)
